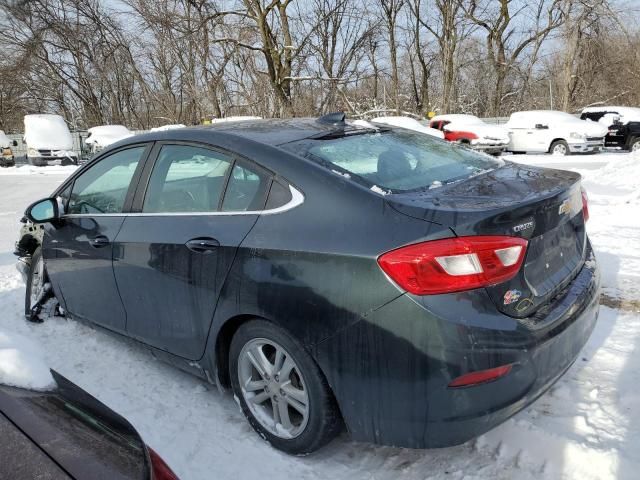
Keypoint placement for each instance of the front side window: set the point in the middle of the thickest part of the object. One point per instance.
(103, 187)
(186, 179)
(397, 160)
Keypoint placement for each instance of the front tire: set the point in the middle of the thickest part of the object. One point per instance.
(634, 145)
(35, 282)
(281, 390)
(560, 147)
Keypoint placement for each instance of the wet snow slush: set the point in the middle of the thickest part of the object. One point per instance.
(586, 427)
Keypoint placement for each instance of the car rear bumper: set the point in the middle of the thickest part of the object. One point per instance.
(390, 372)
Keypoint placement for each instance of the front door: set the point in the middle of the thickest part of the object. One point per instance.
(79, 248)
(171, 259)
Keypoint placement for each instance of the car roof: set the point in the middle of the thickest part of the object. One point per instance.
(267, 131)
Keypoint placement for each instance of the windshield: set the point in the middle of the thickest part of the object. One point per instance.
(397, 160)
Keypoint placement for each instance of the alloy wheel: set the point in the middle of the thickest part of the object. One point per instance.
(635, 147)
(560, 149)
(273, 388)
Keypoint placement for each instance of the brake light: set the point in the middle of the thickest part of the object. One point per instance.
(454, 264)
(482, 376)
(159, 469)
(585, 205)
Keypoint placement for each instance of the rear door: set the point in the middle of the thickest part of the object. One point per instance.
(194, 206)
(78, 249)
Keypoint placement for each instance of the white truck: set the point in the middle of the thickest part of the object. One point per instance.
(104, 135)
(48, 140)
(550, 131)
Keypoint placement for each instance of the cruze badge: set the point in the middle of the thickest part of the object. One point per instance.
(523, 226)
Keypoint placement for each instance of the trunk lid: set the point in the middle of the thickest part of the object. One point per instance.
(542, 205)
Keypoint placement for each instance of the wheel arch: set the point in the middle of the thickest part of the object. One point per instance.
(554, 141)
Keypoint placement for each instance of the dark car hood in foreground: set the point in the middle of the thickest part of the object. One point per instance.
(516, 200)
(69, 433)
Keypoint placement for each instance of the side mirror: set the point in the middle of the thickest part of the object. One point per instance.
(540, 126)
(14, 143)
(43, 211)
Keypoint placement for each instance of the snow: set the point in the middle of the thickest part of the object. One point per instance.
(238, 118)
(47, 132)
(4, 140)
(167, 127)
(21, 364)
(586, 427)
(105, 135)
(487, 134)
(625, 114)
(409, 124)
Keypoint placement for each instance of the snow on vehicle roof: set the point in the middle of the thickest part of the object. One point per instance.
(627, 114)
(47, 131)
(4, 140)
(21, 363)
(410, 124)
(459, 118)
(526, 119)
(167, 127)
(105, 135)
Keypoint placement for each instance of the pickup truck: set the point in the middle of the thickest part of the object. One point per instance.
(623, 124)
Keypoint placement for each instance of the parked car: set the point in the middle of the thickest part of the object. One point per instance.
(471, 131)
(623, 124)
(104, 135)
(413, 289)
(409, 123)
(553, 132)
(48, 140)
(7, 159)
(61, 431)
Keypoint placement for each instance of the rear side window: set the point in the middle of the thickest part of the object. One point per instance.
(186, 179)
(399, 161)
(103, 187)
(279, 196)
(246, 190)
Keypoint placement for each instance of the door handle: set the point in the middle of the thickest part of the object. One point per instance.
(99, 241)
(202, 245)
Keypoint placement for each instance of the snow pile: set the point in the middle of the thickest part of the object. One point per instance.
(21, 364)
(31, 170)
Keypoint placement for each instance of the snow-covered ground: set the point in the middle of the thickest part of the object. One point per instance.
(587, 427)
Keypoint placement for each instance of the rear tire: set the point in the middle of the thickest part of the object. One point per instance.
(560, 147)
(286, 377)
(35, 282)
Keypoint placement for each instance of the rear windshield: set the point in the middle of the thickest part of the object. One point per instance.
(396, 161)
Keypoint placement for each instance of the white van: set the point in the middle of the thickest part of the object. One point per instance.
(554, 132)
(48, 140)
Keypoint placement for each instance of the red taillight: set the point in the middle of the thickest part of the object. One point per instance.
(482, 376)
(454, 264)
(159, 469)
(585, 205)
